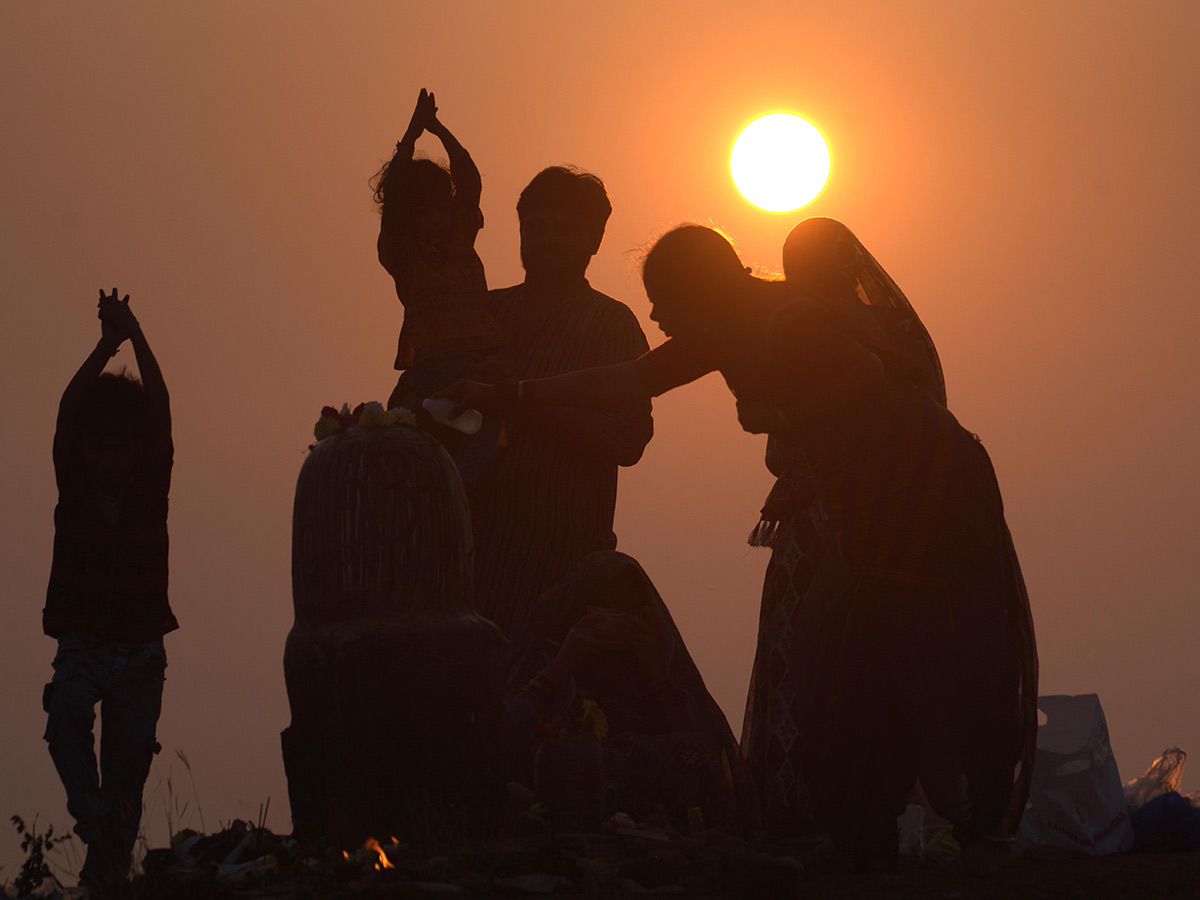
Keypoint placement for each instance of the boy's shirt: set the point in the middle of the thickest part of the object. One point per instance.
(442, 288)
(111, 580)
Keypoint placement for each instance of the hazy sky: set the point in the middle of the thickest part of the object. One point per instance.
(1027, 172)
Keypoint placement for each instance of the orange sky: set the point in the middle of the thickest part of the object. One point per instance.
(1028, 176)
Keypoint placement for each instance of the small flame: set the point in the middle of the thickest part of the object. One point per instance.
(383, 863)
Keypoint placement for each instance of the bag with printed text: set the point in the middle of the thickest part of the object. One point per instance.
(1076, 801)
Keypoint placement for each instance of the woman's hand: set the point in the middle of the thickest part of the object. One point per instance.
(469, 395)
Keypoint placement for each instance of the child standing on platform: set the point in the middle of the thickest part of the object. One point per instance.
(430, 217)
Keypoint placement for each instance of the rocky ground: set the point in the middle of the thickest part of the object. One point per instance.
(244, 862)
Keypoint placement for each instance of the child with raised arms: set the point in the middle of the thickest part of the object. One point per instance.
(429, 220)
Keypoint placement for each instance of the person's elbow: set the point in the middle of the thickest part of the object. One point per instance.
(628, 452)
(629, 456)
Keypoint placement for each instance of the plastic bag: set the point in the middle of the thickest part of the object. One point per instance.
(1164, 776)
(1076, 804)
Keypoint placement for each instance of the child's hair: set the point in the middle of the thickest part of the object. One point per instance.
(428, 182)
(571, 189)
(116, 405)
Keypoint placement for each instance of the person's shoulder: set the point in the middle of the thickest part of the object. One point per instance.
(785, 305)
(500, 297)
(781, 294)
(466, 220)
(497, 293)
(601, 305)
(590, 294)
(395, 247)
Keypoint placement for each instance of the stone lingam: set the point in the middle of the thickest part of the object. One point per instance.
(395, 684)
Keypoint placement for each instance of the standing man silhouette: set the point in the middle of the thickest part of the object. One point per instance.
(551, 498)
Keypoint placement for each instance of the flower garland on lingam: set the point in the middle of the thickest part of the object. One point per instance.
(365, 415)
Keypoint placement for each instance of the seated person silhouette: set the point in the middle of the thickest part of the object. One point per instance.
(602, 647)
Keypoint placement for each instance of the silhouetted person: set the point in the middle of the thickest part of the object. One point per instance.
(107, 600)
(550, 499)
(906, 628)
(429, 220)
(603, 634)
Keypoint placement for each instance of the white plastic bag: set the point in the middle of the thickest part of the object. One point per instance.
(1076, 803)
(1164, 775)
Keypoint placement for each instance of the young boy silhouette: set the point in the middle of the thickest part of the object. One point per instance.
(428, 224)
(107, 600)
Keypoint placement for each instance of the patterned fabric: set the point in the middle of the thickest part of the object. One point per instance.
(442, 289)
(895, 636)
(110, 580)
(776, 722)
(549, 501)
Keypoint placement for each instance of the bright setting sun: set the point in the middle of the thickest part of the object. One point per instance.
(779, 162)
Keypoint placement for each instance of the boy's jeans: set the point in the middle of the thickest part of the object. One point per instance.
(127, 681)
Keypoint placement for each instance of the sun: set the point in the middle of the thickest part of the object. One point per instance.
(779, 162)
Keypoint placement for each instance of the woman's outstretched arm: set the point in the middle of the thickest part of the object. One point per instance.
(666, 367)
(599, 388)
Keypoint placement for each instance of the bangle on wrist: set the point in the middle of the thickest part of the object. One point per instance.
(110, 349)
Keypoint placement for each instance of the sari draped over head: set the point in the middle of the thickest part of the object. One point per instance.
(874, 311)
(638, 737)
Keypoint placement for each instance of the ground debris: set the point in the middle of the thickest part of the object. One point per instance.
(247, 863)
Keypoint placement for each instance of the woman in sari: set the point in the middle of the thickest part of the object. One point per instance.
(781, 734)
(895, 625)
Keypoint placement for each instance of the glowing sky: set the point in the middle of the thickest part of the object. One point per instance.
(1027, 173)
